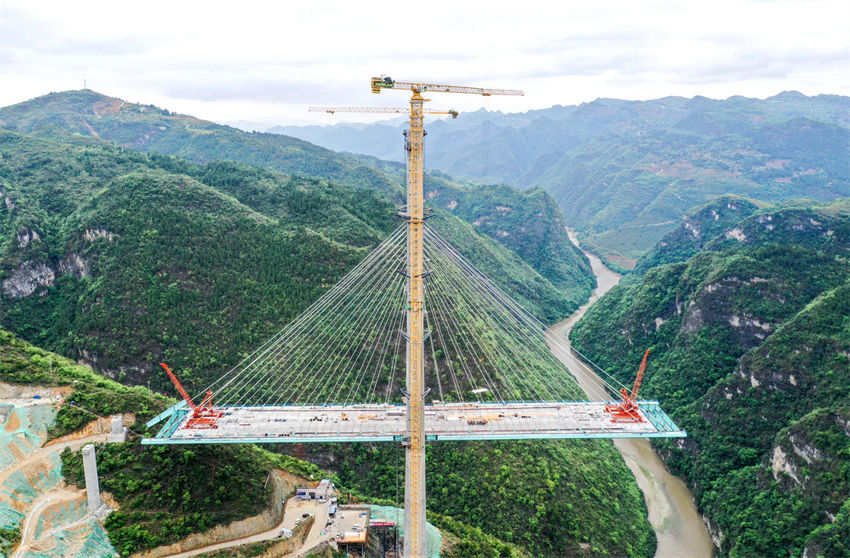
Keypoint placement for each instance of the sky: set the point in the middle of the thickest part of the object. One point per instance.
(267, 62)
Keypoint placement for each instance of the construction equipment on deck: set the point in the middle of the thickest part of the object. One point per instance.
(627, 409)
(270, 398)
(203, 415)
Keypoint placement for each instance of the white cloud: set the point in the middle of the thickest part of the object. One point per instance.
(268, 61)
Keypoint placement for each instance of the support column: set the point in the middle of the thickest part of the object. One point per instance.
(92, 484)
(414, 470)
(117, 430)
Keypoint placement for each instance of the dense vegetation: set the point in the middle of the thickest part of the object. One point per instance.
(551, 498)
(527, 224)
(167, 492)
(625, 172)
(124, 259)
(750, 339)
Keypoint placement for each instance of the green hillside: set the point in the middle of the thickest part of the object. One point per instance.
(541, 240)
(528, 222)
(166, 493)
(624, 190)
(553, 498)
(624, 173)
(123, 259)
(749, 338)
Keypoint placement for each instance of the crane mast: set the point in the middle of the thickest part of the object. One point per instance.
(414, 470)
(414, 213)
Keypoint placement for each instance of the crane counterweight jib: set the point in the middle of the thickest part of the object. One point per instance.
(384, 82)
(385, 110)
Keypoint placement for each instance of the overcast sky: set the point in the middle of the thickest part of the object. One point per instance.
(266, 62)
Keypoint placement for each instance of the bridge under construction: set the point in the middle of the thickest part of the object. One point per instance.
(414, 345)
(448, 422)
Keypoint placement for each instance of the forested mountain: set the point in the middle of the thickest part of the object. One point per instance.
(625, 172)
(166, 493)
(746, 309)
(527, 223)
(122, 259)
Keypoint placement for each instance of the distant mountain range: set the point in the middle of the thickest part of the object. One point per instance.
(528, 223)
(624, 173)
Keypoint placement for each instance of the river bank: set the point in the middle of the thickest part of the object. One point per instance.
(678, 525)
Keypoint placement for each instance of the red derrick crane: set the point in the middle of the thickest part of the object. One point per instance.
(203, 415)
(627, 409)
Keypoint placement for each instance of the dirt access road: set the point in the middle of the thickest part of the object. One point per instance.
(672, 512)
(28, 466)
(293, 512)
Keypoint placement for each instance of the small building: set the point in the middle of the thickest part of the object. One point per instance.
(354, 543)
(303, 494)
(320, 493)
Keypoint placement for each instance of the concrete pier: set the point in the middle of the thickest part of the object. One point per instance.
(118, 432)
(92, 484)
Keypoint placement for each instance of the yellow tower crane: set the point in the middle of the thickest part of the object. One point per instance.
(414, 470)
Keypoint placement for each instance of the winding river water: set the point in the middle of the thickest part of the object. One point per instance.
(672, 513)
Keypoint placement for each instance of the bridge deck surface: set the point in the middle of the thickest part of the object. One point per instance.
(451, 421)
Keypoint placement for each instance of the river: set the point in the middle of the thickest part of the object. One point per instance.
(672, 513)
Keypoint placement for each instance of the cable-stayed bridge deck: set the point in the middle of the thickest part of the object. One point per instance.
(447, 422)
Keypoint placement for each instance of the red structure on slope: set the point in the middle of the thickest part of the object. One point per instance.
(203, 415)
(627, 410)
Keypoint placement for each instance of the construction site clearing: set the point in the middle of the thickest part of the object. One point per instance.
(383, 422)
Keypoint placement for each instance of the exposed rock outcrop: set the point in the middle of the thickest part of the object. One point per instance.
(93, 234)
(27, 278)
(737, 234)
(74, 264)
(26, 237)
(779, 464)
(10, 205)
(717, 536)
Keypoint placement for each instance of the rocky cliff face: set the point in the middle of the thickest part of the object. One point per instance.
(27, 278)
(30, 276)
(751, 355)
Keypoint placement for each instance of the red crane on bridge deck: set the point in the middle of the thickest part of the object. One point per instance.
(203, 415)
(627, 409)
